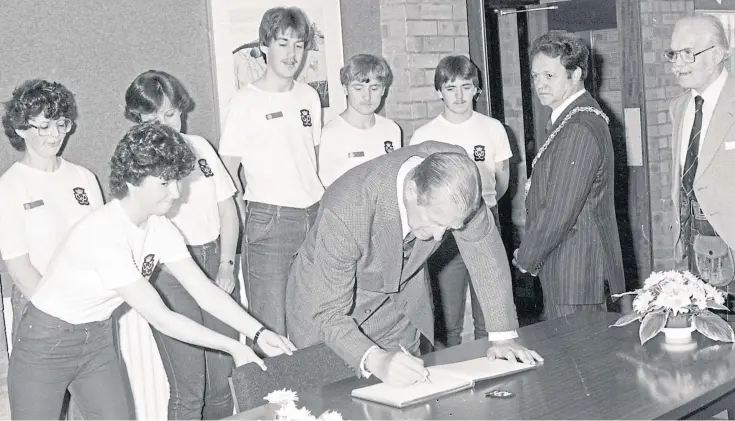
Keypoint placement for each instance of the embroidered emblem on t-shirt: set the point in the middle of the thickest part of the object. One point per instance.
(206, 170)
(81, 196)
(148, 264)
(388, 146)
(305, 118)
(479, 153)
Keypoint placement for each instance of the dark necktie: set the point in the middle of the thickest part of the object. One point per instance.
(692, 158)
(547, 128)
(408, 243)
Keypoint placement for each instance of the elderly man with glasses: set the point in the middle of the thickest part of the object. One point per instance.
(703, 149)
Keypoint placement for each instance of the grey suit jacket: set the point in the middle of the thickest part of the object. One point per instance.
(571, 238)
(714, 182)
(350, 265)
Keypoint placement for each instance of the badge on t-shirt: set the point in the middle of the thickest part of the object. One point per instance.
(271, 116)
(479, 152)
(148, 264)
(358, 154)
(34, 204)
(388, 146)
(81, 196)
(305, 118)
(206, 170)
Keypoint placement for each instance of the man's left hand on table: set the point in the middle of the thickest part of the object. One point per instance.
(511, 350)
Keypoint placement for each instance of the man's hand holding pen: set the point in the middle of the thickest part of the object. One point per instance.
(397, 368)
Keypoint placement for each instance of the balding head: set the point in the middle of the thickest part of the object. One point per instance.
(701, 38)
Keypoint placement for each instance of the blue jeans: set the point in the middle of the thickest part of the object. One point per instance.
(197, 376)
(273, 236)
(51, 355)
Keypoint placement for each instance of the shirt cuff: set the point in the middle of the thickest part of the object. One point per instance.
(363, 370)
(497, 336)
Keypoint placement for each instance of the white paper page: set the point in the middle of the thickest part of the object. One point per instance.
(481, 368)
(441, 384)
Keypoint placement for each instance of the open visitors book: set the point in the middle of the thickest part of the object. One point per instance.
(445, 379)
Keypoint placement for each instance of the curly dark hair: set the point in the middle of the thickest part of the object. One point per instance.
(32, 98)
(572, 52)
(149, 149)
(146, 94)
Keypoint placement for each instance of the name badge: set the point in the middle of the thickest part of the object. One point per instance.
(358, 154)
(34, 204)
(271, 116)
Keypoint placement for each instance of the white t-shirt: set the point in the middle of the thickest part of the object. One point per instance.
(37, 208)
(274, 135)
(345, 146)
(103, 252)
(484, 138)
(196, 213)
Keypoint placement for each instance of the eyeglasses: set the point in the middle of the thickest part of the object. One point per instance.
(687, 56)
(63, 125)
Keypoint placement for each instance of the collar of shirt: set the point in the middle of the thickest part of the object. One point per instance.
(407, 166)
(558, 110)
(711, 94)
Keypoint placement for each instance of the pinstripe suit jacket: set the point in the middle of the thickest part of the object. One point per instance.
(571, 238)
(713, 182)
(352, 261)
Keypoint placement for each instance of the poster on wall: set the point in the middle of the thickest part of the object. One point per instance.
(238, 60)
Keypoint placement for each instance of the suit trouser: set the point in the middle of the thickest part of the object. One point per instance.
(449, 282)
(273, 236)
(51, 355)
(197, 376)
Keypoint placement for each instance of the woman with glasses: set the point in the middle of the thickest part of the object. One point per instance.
(207, 218)
(43, 194)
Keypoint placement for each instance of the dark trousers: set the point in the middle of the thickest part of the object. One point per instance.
(50, 355)
(273, 236)
(197, 376)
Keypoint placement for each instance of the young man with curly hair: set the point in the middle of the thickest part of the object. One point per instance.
(65, 339)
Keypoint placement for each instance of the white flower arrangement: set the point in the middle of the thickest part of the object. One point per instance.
(290, 412)
(671, 296)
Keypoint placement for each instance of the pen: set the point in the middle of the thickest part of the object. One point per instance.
(405, 351)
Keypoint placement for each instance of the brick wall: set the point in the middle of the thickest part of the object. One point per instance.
(657, 23)
(416, 35)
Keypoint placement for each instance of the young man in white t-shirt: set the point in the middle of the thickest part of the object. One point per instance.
(456, 81)
(272, 129)
(358, 135)
(65, 339)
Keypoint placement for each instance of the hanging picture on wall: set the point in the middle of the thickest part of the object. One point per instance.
(238, 60)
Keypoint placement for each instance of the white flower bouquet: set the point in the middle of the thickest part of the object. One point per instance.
(677, 299)
(290, 412)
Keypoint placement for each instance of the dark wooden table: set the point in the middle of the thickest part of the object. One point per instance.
(590, 372)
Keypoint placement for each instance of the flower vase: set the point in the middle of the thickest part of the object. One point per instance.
(678, 330)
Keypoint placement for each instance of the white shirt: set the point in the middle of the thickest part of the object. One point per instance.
(710, 96)
(196, 213)
(274, 135)
(37, 208)
(344, 146)
(556, 113)
(103, 252)
(483, 138)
